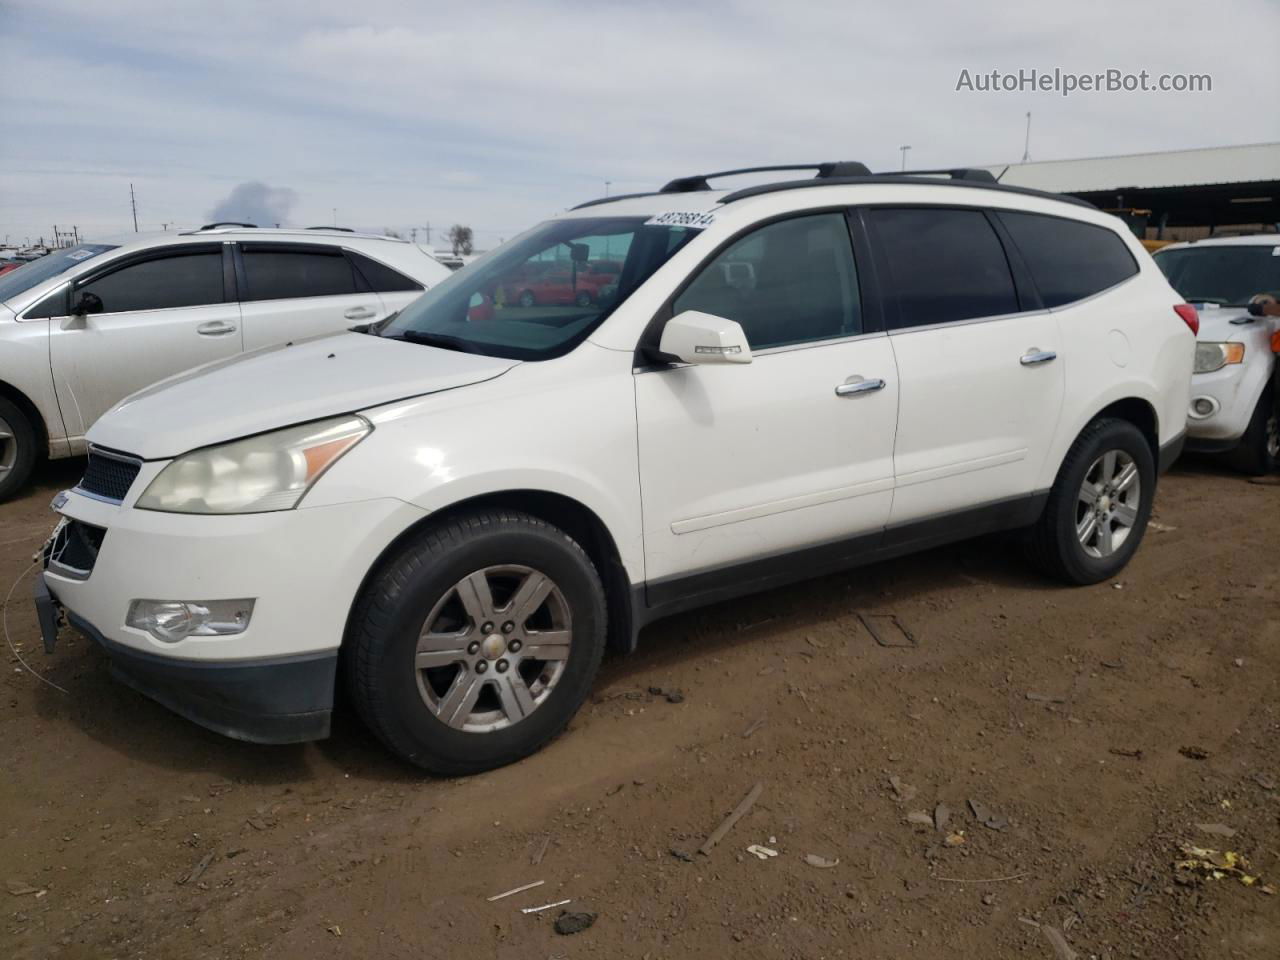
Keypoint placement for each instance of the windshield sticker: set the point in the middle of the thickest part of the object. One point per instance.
(80, 255)
(681, 218)
(1275, 251)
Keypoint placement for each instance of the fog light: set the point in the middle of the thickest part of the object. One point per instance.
(1202, 407)
(174, 620)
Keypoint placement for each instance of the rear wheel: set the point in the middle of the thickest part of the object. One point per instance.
(527, 299)
(18, 451)
(477, 642)
(1259, 450)
(583, 299)
(1099, 505)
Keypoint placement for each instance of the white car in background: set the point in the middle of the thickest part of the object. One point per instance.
(1232, 410)
(84, 327)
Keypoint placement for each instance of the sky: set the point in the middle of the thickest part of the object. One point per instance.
(395, 114)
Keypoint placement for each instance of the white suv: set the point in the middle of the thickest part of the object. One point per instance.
(83, 327)
(1232, 409)
(457, 512)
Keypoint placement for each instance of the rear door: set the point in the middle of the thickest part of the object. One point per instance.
(289, 291)
(162, 312)
(982, 384)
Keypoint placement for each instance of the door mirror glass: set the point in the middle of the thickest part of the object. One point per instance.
(86, 302)
(696, 337)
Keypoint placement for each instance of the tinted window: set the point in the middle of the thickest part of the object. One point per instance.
(54, 305)
(943, 265)
(1068, 260)
(1230, 274)
(16, 282)
(788, 282)
(282, 273)
(380, 277)
(182, 280)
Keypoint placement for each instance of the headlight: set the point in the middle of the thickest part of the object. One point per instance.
(1215, 356)
(255, 475)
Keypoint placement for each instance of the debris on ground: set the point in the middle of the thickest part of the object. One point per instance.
(1194, 753)
(1058, 942)
(762, 853)
(545, 906)
(941, 817)
(335, 930)
(515, 890)
(673, 695)
(541, 851)
(1112, 664)
(920, 818)
(1264, 781)
(681, 854)
(19, 888)
(727, 824)
(569, 923)
(903, 791)
(822, 863)
(194, 873)
(1203, 862)
(986, 816)
(955, 839)
(1044, 698)
(1217, 829)
(753, 728)
(1159, 527)
(1133, 752)
(908, 639)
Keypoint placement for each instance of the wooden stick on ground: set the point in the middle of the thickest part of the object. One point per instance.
(738, 812)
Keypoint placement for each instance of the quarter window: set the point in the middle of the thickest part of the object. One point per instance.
(181, 280)
(380, 277)
(1068, 260)
(943, 264)
(788, 282)
(283, 273)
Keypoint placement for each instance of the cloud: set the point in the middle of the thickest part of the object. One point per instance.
(256, 203)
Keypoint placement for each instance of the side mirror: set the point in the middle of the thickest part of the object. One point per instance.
(86, 303)
(580, 252)
(697, 337)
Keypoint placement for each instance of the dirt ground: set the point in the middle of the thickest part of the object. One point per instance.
(1096, 730)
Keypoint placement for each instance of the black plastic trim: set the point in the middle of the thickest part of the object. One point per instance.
(278, 700)
(1172, 450)
(880, 180)
(664, 597)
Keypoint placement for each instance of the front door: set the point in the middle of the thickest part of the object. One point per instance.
(160, 314)
(743, 463)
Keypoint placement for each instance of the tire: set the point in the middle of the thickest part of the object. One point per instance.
(1056, 539)
(583, 299)
(421, 714)
(527, 299)
(18, 449)
(1259, 450)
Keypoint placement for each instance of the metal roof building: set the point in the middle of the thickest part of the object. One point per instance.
(1208, 187)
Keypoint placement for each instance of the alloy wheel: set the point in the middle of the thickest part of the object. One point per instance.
(493, 648)
(1108, 505)
(8, 447)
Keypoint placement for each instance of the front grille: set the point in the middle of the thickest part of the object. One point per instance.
(73, 549)
(109, 475)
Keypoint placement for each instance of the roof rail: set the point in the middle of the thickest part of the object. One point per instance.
(956, 173)
(699, 181)
(228, 223)
(339, 229)
(978, 183)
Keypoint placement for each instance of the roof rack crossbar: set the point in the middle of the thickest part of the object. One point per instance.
(228, 223)
(700, 181)
(339, 229)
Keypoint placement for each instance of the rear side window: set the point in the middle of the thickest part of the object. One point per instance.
(275, 272)
(943, 265)
(1068, 260)
(380, 277)
(181, 280)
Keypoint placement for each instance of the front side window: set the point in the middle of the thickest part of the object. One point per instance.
(1068, 260)
(187, 279)
(789, 282)
(279, 272)
(17, 282)
(1228, 275)
(541, 294)
(944, 264)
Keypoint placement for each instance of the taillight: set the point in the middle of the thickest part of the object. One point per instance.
(1189, 316)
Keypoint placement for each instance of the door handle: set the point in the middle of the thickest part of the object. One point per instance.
(360, 313)
(1037, 356)
(858, 386)
(215, 328)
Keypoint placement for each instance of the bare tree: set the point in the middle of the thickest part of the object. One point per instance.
(461, 238)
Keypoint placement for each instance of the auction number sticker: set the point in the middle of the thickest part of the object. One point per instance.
(681, 218)
(80, 255)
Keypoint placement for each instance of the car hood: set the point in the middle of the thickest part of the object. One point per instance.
(1216, 323)
(279, 386)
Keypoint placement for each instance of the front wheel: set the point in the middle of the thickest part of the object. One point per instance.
(1099, 505)
(477, 642)
(18, 453)
(1259, 450)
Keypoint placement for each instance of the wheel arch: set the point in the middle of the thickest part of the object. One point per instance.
(1141, 414)
(572, 516)
(32, 412)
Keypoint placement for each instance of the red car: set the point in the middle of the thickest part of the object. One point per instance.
(555, 284)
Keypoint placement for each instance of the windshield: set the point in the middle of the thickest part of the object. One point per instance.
(540, 295)
(19, 281)
(1226, 275)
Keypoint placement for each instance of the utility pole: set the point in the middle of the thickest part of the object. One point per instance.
(413, 234)
(1026, 144)
(607, 185)
(428, 233)
(165, 226)
(133, 202)
(335, 216)
(904, 150)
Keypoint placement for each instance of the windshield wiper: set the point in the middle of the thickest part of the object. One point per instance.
(434, 340)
